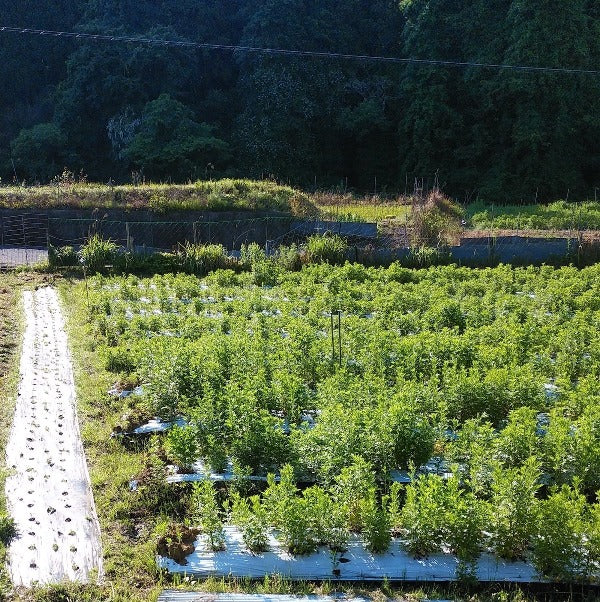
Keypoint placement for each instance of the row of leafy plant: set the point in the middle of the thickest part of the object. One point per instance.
(492, 374)
(560, 534)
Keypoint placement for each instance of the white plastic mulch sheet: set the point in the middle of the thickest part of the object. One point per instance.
(48, 488)
(172, 595)
(356, 563)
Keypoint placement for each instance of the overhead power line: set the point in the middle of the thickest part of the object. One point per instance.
(297, 53)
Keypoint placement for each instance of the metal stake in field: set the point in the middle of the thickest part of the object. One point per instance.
(339, 313)
(339, 329)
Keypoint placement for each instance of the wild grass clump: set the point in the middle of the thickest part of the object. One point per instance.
(98, 253)
(326, 249)
(435, 220)
(201, 259)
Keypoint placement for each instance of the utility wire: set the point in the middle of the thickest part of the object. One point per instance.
(300, 53)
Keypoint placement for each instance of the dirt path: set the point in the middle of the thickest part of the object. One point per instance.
(48, 491)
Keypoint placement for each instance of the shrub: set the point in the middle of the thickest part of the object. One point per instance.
(290, 514)
(326, 249)
(59, 257)
(515, 508)
(288, 258)
(376, 524)
(98, 253)
(206, 511)
(251, 518)
(202, 259)
(424, 515)
(466, 517)
(560, 541)
(182, 446)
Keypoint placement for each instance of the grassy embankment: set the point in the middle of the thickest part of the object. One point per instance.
(251, 195)
(221, 195)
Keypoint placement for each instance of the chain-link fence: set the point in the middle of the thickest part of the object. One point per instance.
(23, 240)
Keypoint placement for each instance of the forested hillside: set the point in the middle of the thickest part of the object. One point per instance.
(113, 108)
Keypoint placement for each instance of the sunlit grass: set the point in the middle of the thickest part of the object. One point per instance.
(218, 195)
(560, 215)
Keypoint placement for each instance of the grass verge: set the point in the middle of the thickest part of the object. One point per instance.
(560, 215)
(219, 195)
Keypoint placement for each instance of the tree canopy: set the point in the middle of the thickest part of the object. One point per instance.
(499, 134)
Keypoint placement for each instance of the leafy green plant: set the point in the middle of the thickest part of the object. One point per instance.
(182, 446)
(60, 257)
(8, 529)
(376, 524)
(250, 516)
(330, 249)
(424, 525)
(206, 511)
(202, 259)
(98, 253)
(515, 508)
(559, 544)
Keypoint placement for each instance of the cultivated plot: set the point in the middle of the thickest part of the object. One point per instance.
(48, 490)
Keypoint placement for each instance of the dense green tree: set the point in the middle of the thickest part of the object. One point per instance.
(171, 144)
(500, 134)
(40, 153)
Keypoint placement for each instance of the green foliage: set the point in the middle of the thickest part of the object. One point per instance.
(171, 144)
(8, 529)
(182, 446)
(97, 253)
(482, 383)
(515, 509)
(559, 543)
(61, 257)
(260, 443)
(424, 516)
(466, 518)
(330, 249)
(206, 512)
(202, 259)
(353, 487)
(375, 525)
(40, 152)
(503, 134)
(560, 215)
(250, 516)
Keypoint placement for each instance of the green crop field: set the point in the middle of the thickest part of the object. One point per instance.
(455, 411)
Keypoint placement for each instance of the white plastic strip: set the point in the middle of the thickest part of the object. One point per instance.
(356, 564)
(48, 489)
